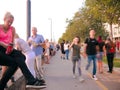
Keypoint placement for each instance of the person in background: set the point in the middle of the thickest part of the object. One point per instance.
(47, 51)
(57, 47)
(76, 59)
(52, 49)
(117, 43)
(66, 49)
(109, 50)
(37, 43)
(11, 57)
(62, 49)
(90, 50)
(101, 44)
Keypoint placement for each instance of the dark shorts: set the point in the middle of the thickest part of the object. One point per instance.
(62, 51)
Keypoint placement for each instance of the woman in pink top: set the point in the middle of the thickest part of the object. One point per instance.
(13, 58)
(7, 35)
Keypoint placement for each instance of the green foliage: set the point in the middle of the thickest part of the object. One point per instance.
(80, 25)
(107, 10)
(93, 16)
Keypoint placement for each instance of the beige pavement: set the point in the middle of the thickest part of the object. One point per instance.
(58, 75)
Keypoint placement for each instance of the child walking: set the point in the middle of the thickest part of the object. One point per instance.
(76, 59)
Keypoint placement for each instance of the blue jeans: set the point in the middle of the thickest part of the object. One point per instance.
(90, 58)
(67, 54)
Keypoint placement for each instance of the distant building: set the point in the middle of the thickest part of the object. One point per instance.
(115, 29)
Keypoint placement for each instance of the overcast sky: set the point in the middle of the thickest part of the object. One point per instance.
(42, 10)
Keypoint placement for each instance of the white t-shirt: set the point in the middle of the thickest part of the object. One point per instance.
(22, 45)
(66, 46)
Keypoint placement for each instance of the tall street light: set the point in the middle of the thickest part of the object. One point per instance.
(28, 15)
(50, 27)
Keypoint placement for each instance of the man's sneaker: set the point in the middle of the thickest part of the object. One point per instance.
(41, 80)
(94, 77)
(37, 84)
(81, 79)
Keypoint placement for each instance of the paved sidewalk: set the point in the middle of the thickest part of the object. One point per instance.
(58, 75)
(117, 55)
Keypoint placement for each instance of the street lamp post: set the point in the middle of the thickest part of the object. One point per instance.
(50, 27)
(28, 12)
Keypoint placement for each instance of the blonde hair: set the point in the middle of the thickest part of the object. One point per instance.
(8, 14)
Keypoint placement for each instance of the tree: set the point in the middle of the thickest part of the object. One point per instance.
(81, 23)
(107, 10)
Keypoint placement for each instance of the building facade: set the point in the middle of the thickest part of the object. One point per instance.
(115, 30)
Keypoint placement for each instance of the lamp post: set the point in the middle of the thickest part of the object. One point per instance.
(28, 13)
(50, 27)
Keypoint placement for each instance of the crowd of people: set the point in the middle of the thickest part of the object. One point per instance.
(31, 55)
(94, 50)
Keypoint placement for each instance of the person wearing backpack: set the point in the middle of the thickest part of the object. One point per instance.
(109, 51)
(90, 50)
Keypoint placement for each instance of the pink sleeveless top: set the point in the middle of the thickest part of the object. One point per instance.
(6, 37)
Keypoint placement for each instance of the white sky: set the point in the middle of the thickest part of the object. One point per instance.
(42, 10)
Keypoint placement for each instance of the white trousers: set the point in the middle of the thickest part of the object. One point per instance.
(30, 61)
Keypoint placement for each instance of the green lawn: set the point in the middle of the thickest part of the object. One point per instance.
(116, 61)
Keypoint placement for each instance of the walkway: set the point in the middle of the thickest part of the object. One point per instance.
(58, 75)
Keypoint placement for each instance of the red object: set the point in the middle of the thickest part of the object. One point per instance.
(9, 49)
(99, 39)
(112, 50)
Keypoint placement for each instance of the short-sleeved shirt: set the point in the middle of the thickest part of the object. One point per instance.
(76, 51)
(66, 46)
(110, 47)
(91, 46)
(22, 45)
(38, 39)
